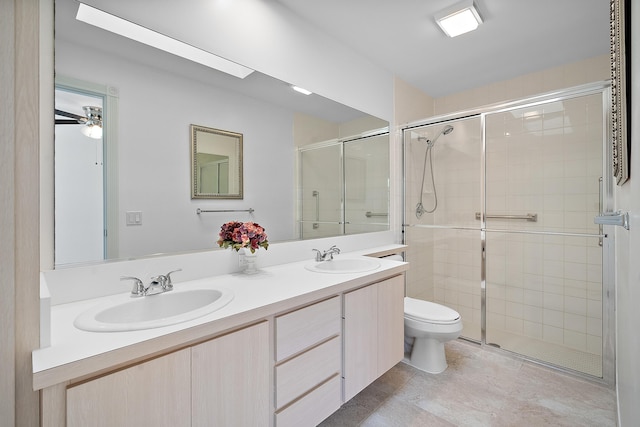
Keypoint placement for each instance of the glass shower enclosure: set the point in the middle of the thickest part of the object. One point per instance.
(510, 242)
(344, 187)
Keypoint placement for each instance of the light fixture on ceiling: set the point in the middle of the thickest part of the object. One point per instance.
(93, 126)
(301, 90)
(128, 29)
(92, 121)
(458, 19)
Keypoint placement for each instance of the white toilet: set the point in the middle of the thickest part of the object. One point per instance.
(429, 326)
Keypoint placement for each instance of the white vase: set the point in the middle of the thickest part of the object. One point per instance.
(250, 262)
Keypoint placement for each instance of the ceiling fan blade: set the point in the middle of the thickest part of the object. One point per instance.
(79, 119)
(67, 122)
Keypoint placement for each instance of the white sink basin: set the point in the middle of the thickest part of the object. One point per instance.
(346, 265)
(153, 311)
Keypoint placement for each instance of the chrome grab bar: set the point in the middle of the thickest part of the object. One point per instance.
(199, 211)
(316, 194)
(370, 214)
(528, 217)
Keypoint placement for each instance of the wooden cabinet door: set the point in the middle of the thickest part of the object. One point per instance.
(154, 393)
(230, 384)
(360, 339)
(390, 323)
(373, 333)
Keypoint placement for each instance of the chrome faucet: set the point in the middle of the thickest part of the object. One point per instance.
(158, 285)
(326, 255)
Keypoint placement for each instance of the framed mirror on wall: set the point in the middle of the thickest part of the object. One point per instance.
(216, 163)
(621, 96)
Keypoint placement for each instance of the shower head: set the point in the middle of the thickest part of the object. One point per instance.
(420, 210)
(444, 131)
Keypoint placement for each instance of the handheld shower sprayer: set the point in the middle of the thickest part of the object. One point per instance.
(420, 210)
(445, 131)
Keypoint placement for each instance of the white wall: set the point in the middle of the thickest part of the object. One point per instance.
(628, 252)
(155, 112)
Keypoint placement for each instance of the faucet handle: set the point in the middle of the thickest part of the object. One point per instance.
(159, 280)
(169, 285)
(318, 254)
(138, 287)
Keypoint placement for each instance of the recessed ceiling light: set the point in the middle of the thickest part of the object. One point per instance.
(301, 90)
(151, 38)
(459, 18)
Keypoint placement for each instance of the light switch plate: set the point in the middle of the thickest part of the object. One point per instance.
(134, 217)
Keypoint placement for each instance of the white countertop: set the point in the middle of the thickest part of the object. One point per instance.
(75, 353)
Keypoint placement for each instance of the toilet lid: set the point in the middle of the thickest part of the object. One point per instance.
(426, 310)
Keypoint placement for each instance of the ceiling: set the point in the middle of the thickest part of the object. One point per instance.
(517, 37)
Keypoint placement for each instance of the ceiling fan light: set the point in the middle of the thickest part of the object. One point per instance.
(92, 131)
(93, 125)
(459, 18)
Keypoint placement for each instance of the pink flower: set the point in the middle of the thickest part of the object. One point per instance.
(238, 235)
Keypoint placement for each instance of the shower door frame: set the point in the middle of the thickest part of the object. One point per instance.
(607, 205)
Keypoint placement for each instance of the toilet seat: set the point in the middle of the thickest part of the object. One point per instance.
(427, 311)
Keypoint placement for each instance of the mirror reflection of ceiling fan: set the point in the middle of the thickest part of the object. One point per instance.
(92, 121)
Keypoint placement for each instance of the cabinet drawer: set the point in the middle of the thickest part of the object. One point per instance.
(314, 407)
(304, 372)
(303, 328)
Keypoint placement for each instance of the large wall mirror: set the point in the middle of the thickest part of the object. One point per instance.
(216, 163)
(147, 168)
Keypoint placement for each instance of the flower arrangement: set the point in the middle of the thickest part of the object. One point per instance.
(237, 235)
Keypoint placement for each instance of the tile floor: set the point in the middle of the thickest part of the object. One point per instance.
(481, 387)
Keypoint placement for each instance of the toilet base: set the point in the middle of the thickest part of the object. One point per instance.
(428, 355)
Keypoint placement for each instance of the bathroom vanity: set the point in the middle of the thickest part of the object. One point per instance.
(290, 348)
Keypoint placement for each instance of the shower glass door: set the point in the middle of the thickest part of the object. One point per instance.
(544, 253)
(444, 241)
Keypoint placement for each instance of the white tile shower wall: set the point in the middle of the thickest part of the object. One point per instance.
(456, 263)
(446, 269)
